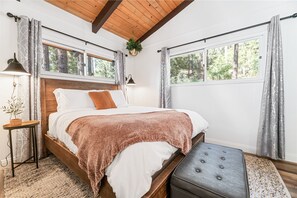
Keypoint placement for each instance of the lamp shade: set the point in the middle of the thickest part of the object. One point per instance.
(15, 68)
(130, 80)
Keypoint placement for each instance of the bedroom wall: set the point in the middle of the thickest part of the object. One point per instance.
(52, 17)
(231, 108)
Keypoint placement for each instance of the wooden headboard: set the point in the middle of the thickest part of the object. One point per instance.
(48, 100)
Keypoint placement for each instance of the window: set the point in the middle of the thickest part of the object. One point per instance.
(187, 68)
(100, 67)
(239, 60)
(63, 60)
(58, 59)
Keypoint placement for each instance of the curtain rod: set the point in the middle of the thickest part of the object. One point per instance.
(233, 31)
(16, 18)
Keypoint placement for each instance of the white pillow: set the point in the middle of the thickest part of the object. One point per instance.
(118, 98)
(72, 99)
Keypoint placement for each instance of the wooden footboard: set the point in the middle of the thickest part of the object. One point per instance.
(160, 184)
(66, 156)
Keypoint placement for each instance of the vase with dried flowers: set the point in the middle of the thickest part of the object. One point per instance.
(14, 107)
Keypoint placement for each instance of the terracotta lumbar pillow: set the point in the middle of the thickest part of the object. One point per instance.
(102, 100)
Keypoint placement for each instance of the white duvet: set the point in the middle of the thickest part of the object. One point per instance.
(130, 173)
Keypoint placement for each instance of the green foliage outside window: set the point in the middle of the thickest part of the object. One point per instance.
(102, 68)
(63, 61)
(187, 68)
(219, 63)
(72, 62)
(249, 60)
(53, 57)
(235, 61)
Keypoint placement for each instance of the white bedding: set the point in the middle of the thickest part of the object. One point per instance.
(130, 173)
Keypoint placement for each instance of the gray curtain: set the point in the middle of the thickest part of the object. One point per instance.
(165, 91)
(271, 135)
(30, 54)
(120, 67)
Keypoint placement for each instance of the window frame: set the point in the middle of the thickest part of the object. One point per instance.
(102, 58)
(85, 51)
(204, 47)
(191, 52)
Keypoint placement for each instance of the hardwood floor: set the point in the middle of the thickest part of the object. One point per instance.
(1, 183)
(288, 171)
(290, 179)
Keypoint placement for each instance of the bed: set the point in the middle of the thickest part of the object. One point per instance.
(159, 185)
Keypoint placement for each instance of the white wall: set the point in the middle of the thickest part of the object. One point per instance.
(52, 17)
(232, 109)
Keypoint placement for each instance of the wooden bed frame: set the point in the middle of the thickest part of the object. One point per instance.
(160, 183)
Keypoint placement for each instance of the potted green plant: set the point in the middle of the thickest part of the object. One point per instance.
(14, 107)
(134, 47)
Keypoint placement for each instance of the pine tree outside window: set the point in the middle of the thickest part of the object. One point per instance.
(239, 60)
(100, 67)
(61, 60)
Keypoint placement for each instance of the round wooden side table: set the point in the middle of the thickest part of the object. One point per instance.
(31, 125)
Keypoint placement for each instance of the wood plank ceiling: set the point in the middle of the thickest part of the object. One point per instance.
(136, 19)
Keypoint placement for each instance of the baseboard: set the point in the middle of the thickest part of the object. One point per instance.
(291, 157)
(245, 148)
(285, 165)
(248, 149)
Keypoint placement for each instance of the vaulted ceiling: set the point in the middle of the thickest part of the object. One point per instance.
(136, 19)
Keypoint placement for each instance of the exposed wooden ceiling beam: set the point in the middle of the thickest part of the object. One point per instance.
(104, 14)
(167, 18)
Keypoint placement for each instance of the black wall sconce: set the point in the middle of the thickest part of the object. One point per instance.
(129, 80)
(15, 68)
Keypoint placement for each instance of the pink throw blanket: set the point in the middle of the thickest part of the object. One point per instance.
(100, 138)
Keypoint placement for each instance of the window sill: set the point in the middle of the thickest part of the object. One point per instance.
(61, 76)
(219, 82)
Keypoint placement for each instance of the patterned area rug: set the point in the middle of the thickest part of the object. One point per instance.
(264, 179)
(53, 179)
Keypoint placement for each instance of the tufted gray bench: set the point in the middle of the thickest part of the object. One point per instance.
(211, 170)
